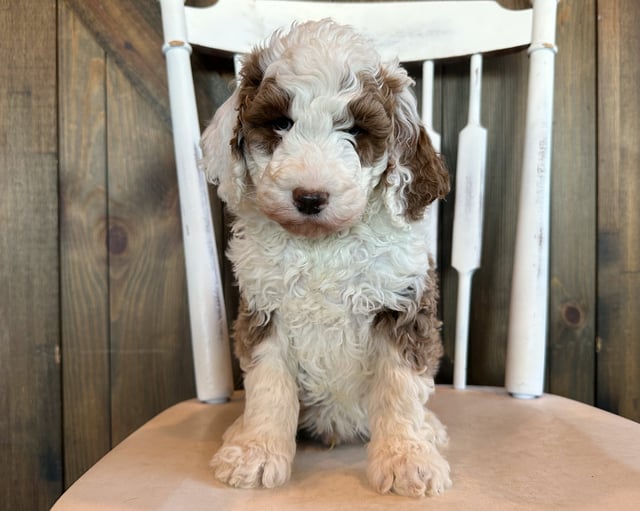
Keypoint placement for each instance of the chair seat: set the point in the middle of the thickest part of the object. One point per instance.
(505, 454)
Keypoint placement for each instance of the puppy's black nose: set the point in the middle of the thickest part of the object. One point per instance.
(309, 202)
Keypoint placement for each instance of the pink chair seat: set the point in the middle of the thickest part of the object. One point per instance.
(550, 453)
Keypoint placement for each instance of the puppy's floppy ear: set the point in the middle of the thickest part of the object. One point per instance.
(416, 174)
(222, 159)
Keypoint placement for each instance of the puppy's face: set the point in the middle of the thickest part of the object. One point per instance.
(318, 121)
(314, 152)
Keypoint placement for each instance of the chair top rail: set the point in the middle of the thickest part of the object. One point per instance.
(411, 31)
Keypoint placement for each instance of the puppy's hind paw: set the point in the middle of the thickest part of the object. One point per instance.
(410, 470)
(250, 466)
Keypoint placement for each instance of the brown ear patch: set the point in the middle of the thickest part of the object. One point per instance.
(262, 113)
(415, 333)
(250, 78)
(371, 113)
(430, 177)
(262, 104)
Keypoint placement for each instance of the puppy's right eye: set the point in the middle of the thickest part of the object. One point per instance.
(355, 130)
(282, 124)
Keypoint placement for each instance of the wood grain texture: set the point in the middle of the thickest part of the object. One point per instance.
(151, 364)
(572, 307)
(618, 207)
(83, 251)
(131, 33)
(30, 439)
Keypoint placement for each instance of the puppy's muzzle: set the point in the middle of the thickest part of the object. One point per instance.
(310, 202)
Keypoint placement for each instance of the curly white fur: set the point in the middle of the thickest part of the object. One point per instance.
(323, 246)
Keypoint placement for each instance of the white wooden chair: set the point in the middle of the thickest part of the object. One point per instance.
(505, 453)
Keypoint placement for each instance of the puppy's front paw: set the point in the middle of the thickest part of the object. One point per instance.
(408, 468)
(250, 466)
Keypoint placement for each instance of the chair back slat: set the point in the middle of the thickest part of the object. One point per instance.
(432, 212)
(209, 333)
(469, 180)
(528, 313)
(410, 31)
(468, 214)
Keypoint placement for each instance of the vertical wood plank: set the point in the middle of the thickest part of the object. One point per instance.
(571, 355)
(30, 444)
(618, 387)
(151, 364)
(83, 254)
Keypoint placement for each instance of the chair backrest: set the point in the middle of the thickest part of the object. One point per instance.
(416, 31)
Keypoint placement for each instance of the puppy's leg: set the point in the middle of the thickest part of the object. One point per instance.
(259, 447)
(403, 452)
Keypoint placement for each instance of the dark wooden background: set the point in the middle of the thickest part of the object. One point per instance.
(94, 337)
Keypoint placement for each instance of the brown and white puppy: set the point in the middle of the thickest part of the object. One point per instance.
(321, 157)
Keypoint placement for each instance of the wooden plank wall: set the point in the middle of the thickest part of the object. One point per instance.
(84, 264)
(94, 337)
(572, 354)
(618, 276)
(125, 321)
(30, 413)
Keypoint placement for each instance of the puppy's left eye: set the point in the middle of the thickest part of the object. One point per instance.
(355, 130)
(282, 124)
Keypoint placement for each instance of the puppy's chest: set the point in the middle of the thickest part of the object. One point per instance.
(330, 290)
(324, 285)
(324, 296)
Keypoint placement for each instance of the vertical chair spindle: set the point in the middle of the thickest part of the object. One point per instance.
(431, 214)
(209, 337)
(468, 215)
(526, 346)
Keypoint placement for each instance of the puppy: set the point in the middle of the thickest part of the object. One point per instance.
(320, 156)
